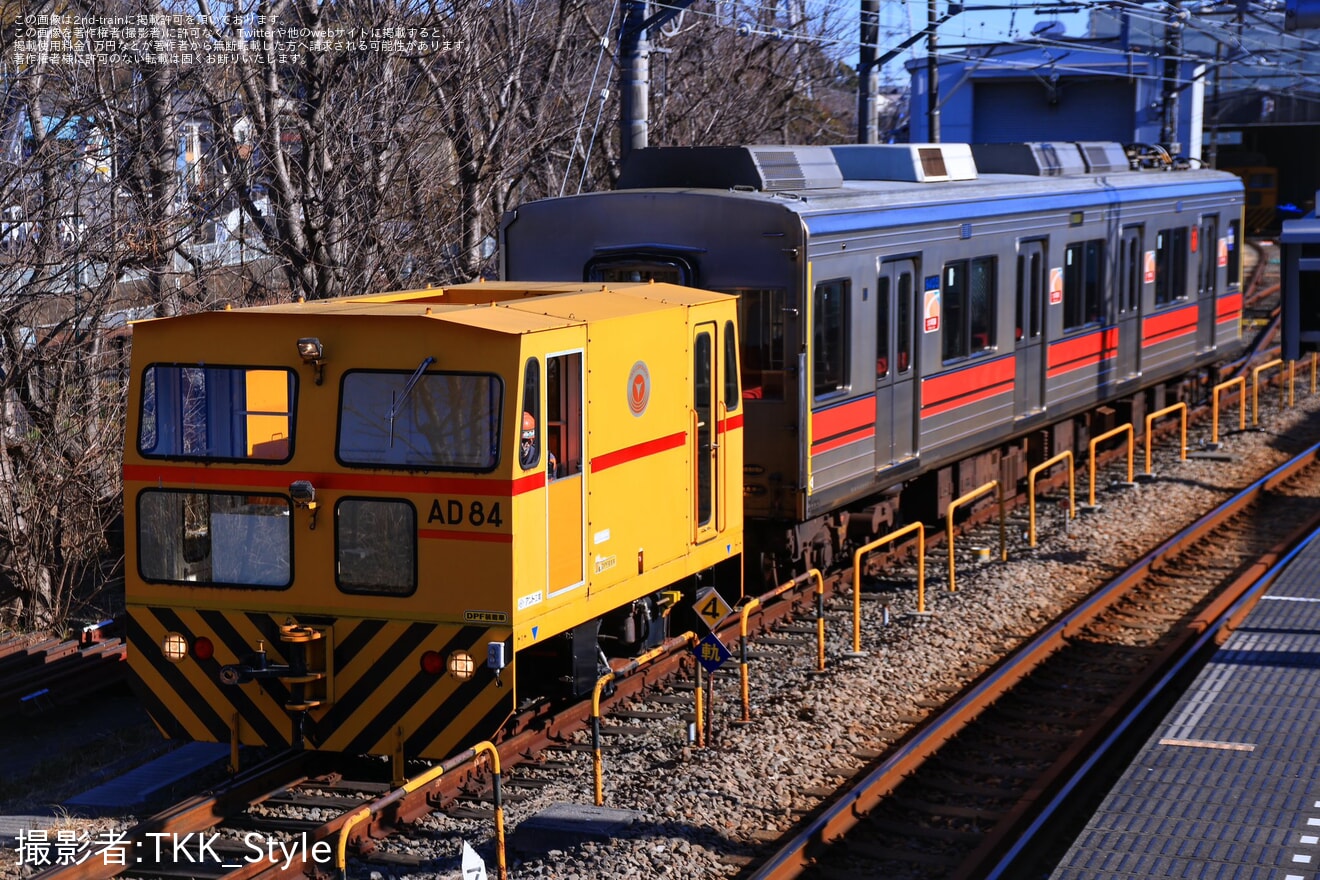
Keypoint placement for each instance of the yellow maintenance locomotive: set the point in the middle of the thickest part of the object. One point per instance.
(377, 524)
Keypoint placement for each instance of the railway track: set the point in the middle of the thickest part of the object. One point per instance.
(36, 675)
(955, 794)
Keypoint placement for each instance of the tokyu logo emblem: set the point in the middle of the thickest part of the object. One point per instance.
(639, 388)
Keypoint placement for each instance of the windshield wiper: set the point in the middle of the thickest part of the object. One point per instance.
(397, 403)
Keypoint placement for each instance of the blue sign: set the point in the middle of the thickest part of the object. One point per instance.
(711, 653)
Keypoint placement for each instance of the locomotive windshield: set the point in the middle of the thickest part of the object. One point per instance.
(448, 421)
(214, 538)
(223, 413)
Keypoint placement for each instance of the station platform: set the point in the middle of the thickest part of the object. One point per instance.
(1229, 784)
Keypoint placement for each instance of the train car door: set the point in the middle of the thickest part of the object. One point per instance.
(1205, 247)
(705, 425)
(1130, 279)
(895, 392)
(1032, 275)
(565, 490)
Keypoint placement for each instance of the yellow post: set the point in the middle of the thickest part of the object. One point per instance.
(1066, 455)
(747, 609)
(1150, 420)
(1096, 441)
(1255, 388)
(597, 762)
(815, 575)
(494, 753)
(1242, 407)
(1292, 379)
(920, 529)
(1315, 358)
(972, 496)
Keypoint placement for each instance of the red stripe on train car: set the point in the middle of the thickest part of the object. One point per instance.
(948, 391)
(637, 451)
(213, 475)
(824, 446)
(1085, 350)
(1229, 307)
(847, 418)
(1168, 325)
(732, 423)
(485, 537)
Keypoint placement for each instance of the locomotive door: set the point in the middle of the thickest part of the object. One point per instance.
(565, 492)
(1130, 274)
(706, 422)
(1206, 251)
(895, 392)
(1029, 394)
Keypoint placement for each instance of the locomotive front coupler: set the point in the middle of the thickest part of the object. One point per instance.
(252, 667)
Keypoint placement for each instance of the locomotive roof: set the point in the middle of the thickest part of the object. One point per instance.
(502, 307)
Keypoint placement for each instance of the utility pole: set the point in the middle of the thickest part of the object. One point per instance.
(635, 70)
(635, 78)
(932, 76)
(1172, 67)
(868, 73)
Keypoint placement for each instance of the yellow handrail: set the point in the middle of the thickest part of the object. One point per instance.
(1242, 406)
(1150, 420)
(920, 529)
(1131, 449)
(1066, 455)
(971, 496)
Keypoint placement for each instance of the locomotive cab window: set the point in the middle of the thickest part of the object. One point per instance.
(220, 538)
(376, 546)
(969, 293)
(1083, 283)
(216, 413)
(622, 270)
(444, 421)
(829, 317)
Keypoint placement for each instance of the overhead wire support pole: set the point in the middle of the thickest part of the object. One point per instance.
(1172, 72)
(868, 73)
(635, 70)
(932, 76)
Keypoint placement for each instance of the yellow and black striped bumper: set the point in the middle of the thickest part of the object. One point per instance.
(369, 692)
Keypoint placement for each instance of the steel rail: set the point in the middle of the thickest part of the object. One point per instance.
(850, 806)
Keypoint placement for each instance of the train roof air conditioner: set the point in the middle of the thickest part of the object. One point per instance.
(919, 163)
(765, 168)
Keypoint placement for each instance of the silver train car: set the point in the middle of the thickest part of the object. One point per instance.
(915, 318)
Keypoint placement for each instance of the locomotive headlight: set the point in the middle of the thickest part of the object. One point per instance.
(461, 665)
(174, 647)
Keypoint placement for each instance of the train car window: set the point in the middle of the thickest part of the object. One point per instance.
(376, 546)
(904, 322)
(529, 436)
(955, 310)
(215, 538)
(1129, 271)
(447, 421)
(1171, 265)
(216, 413)
(1207, 266)
(623, 270)
(761, 313)
(1083, 283)
(732, 400)
(830, 350)
(1233, 236)
(1030, 291)
(969, 307)
(882, 293)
